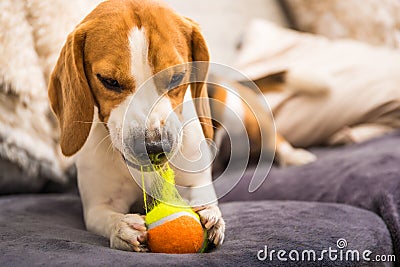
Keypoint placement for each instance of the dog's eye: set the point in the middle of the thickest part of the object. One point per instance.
(110, 84)
(176, 80)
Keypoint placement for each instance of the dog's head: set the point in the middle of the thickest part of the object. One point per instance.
(109, 55)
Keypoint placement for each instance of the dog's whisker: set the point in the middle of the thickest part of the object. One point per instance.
(101, 141)
(208, 124)
(110, 148)
(90, 122)
(194, 67)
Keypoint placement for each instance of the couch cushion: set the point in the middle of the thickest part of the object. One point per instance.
(48, 230)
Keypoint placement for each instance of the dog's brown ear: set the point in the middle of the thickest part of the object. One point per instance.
(200, 55)
(70, 95)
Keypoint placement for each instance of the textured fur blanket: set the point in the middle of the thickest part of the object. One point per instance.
(30, 41)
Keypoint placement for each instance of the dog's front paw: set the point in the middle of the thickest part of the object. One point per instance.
(212, 220)
(129, 233)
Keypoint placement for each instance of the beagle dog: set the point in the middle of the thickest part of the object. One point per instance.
(102, 67)
(118, 90)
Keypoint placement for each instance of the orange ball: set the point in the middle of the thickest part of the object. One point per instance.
(178, 233)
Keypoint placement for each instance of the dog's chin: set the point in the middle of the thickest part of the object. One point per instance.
(141, 166)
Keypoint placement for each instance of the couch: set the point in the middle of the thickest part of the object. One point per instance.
(348, 200)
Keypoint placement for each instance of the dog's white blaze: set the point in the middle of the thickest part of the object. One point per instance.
(144, 109)
(139, 48)
(148, 107)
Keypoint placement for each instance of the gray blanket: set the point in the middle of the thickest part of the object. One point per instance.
(48, 229)
(365, 175)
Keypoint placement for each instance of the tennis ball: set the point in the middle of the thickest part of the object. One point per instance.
(171, 228)
(175, 230)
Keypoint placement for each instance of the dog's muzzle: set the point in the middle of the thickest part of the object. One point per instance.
(148, 147)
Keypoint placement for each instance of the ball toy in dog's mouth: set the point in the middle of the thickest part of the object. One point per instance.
(157, 159)
(172, 225)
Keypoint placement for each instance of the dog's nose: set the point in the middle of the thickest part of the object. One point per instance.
(152, 144)
(157, 148)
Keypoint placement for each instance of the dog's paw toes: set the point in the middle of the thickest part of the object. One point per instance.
(297, 157)
(216, 234)
(129, 234)
(211, 218)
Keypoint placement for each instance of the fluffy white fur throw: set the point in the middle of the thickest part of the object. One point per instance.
(31, 36)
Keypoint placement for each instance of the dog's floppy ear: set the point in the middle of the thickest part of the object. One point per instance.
(200, 54)
(70, 95)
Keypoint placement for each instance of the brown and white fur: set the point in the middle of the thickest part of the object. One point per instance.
(118, 47)
(114, 50)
